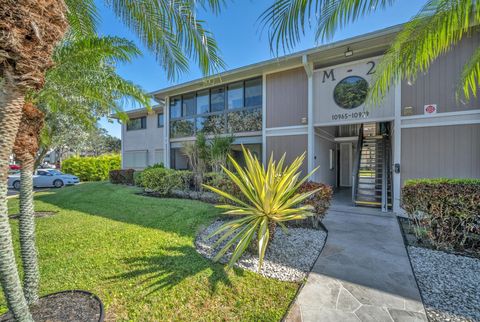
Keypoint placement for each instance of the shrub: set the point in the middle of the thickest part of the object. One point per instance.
(446, 211)
(221, 181)
(320, 200)
(163, 181)
(137, 178)
(92, 168)
(122, 176)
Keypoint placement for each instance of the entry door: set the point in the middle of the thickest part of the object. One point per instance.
(346, 156)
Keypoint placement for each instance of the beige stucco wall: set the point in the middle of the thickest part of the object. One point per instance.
(439, 84)
(293, 146)
(286, 98)
(150, 140)
(441, 151)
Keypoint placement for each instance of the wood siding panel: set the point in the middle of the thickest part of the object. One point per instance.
(438, 85)
(287, 98)
(293, 146)
(441, 151)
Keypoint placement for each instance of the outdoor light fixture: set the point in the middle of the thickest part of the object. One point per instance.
(349, 52)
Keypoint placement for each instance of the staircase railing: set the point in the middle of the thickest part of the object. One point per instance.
(356, 168)
(384, 174)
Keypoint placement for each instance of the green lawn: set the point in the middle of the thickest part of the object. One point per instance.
(137, 253)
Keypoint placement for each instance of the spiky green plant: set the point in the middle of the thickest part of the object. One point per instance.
(271, 198)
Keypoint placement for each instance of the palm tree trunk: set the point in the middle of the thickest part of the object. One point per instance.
(11, 102)
(27, 231)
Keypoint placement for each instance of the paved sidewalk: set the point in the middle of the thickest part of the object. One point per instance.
(362, 274)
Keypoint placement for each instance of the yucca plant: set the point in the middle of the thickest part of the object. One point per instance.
(271, 198)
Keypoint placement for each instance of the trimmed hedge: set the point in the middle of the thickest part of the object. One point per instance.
(445, 211)
(92, 168)
(163, 181)
(126, 176)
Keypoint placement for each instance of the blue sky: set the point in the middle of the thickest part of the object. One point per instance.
(237, 32)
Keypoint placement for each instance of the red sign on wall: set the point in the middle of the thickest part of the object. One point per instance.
(430, 109)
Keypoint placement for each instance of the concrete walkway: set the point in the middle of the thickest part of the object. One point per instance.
(362, 274)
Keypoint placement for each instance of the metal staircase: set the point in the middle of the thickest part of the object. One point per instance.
(372, 171)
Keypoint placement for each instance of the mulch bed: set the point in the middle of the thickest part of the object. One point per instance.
(38, 214)
(65, 306)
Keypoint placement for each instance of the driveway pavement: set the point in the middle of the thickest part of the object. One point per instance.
(362, 274)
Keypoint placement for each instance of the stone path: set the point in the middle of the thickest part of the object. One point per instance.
(362, 274)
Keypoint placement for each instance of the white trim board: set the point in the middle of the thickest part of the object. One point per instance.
(442, 119)
(287, 130)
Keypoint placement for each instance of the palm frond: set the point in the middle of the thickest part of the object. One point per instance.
(169, 29)
(470, 78)
(287, 20)
(438, 26)
(82, 16)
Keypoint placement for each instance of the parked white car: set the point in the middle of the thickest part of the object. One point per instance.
(45, 178)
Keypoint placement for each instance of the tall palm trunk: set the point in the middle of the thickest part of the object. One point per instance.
(11, 102)
(27, 231)
(25, 149)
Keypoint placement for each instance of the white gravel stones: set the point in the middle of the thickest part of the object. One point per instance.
(450, 284)
(289, 257)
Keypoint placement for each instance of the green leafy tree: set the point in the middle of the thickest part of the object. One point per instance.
(438, 26)
(220, 146)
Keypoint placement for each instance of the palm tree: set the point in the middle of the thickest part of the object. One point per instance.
(28, 32)
(84, 82)
(25, 149)
(30, 29)
(438, 26)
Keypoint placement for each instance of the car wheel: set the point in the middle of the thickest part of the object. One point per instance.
(16, 185)
(58, 183)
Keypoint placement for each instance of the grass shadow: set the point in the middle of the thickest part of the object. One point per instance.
(170, 267)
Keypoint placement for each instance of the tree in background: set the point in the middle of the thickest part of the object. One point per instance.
(435, 30)
(84, 76)
(220, 147)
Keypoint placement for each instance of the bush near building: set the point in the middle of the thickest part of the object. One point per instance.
(445, 211)
(163, 181)
(126, 176)
(92, 168)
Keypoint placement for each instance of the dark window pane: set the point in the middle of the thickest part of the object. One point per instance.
(137, 123)
(245, 121)
(253, 92)
(218, 99)
(182, 128)
(160, 120)
(235, 95)
(203, 102)
(188, 104)
(175, 107)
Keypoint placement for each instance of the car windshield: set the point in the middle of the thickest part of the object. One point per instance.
(54, 172)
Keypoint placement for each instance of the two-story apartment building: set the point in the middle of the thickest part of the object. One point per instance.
(313, 101)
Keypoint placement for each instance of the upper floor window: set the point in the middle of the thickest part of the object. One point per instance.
(188, 105)
(160, 120)
(253, 92)
(217, 99)
(175, 107)
(203, 102)
(137, 123)
(235, 95)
